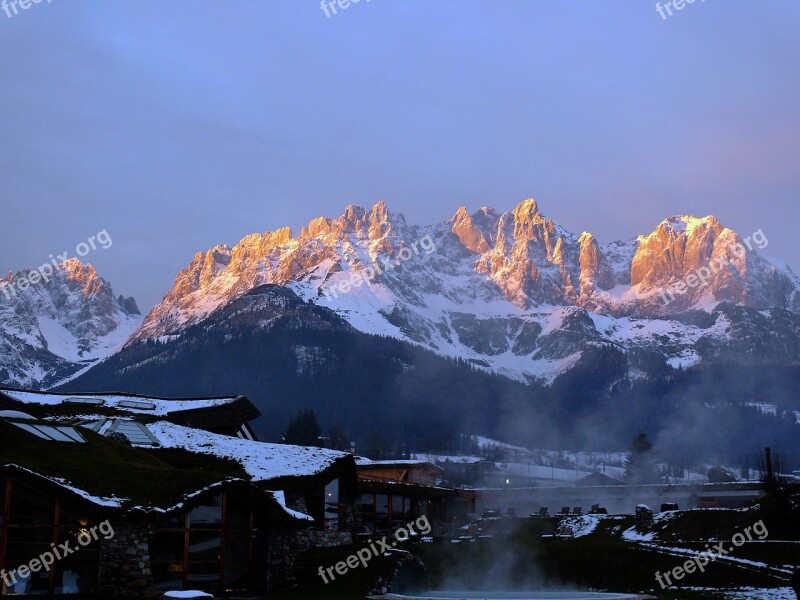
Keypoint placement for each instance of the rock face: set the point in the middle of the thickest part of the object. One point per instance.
(53, 328)
(714, 262)
(512, 291)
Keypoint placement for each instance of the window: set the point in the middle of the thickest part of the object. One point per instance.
(238, 543)
(30, 508)
(208, 515)
(368, 511)
(211, 545)
(332, 505)
(398, 511)
(30, 523)
(167, 557)
(15, 414)
(94, 425)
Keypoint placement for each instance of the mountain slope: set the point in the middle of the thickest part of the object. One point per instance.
(54, 328)
(286, 354)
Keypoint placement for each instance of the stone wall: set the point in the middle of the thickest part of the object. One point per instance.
(125, 563)
(643, 521)
(403, 573)
(285, 570)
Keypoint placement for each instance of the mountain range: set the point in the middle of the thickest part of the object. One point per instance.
(512, 292)
(365, 315)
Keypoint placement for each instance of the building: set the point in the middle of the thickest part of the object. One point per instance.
(170, 523)
(419, 472)
(192, 499)
(229, 415)
(394, 492)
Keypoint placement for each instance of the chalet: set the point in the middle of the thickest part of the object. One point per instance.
(311, 481)
(393, 492)
(173, 521)
(195, 502)
(419, 472)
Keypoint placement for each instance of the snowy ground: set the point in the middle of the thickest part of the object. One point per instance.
(567, 465)
(759, 594)
(550, 595)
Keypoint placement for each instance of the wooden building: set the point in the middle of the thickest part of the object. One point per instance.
(192, 507)
(394, 492)
(154, 522)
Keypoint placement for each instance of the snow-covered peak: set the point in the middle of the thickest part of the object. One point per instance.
(56, 325)
(508, 290)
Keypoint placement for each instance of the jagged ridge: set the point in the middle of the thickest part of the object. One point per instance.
(497, 286)
(54, 328)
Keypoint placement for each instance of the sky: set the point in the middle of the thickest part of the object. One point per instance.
(176, 126)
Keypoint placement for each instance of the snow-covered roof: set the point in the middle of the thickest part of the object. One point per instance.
(454, 458)
(116, 476)
(367, 462)
(136, 433)
(115, 502)
(132, 403)
(262, 461)
(280, 496)
(106, 501)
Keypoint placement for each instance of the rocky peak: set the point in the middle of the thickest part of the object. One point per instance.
(595, 271)
(526, 210)
(486, 220)
(56, 325)
(382, 222)
(374, 224)
(678, 246)
(470, 234)
(590, 255)
(520, 255)
(128, 305)
(531, 226)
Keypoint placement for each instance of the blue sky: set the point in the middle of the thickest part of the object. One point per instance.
(180, 125)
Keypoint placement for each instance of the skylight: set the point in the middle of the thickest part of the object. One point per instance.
(52, 433)
(93, 424)
(137, 404)
(89, 401)
(136, 433)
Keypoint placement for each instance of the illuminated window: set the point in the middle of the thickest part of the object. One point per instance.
(29, 524)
